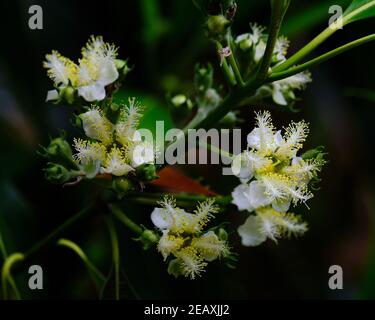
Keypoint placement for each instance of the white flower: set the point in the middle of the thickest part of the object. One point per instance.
(96, 125)
(209, 246)
(115, 163)
(169, 243)
(60, 69)
(263, 138)
(182, 237)
(283, 89)
(89, 151)
(257, 32)
(251, 232)
(268, 223)
(141, 153)
(192, 264)
(250, 197)
(174, 219)
(280, 50)
(96, 70)
(260, 49)
(126, 127)
(292, 141)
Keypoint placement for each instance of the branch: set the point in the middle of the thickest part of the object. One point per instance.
(279, 8)
(302, 67)
(119, 214)
(306, 50)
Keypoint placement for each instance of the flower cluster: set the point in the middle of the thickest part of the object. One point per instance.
(184, 238)
(110, 148)
(113, 148)
(97, 68)
(253, 45)
(273, 177)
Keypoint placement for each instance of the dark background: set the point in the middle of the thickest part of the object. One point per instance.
(164, 39)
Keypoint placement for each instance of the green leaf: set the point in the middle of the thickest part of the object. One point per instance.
(358, 10)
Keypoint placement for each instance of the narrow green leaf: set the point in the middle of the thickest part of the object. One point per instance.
(358, 10)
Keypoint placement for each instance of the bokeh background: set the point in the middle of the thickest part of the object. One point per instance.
(164, 39)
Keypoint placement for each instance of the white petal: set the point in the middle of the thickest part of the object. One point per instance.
(241, 198)
(107, 73)
(242, 168)
(250, 232)
(278, 138)
(117, 170)
(253, 139)
(94, 92)
(296, 160)
(161, 219)
(278, 96)
(281, 205)
(52, 95)
(142, 153)
(257, 195)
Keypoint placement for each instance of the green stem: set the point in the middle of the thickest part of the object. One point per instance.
(215, 149)
(302, 67)
(233, 62)
(53, 237)
(6, 274)
(185, 199)
(115, 255)
(9, 276)
(224, 66)
(96, 273)
(307, 49)
(119, 214)
(230, 102)
(279, 8)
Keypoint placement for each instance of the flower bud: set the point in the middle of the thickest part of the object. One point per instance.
(67, 94)
(122, 185)
(122, 66)
(57, 173)
(244, 42)
(148, 238)
(222, 234)
(178, 100)
(217, 26)
(203, 78)
(57, 148)
(147, 172)
(316, 153)
(174, 268)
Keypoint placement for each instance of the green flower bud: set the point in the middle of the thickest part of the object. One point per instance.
(203, 77)
(174, 268)
(178, 100)
(222, 234)
(120, 63)
(67, 94)
(148, 238)
(316, 153)
(57, 173)
(122, 67)
(122, 185)
(57, 148)
(244, 42)
(147, 172)
(217, 26)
